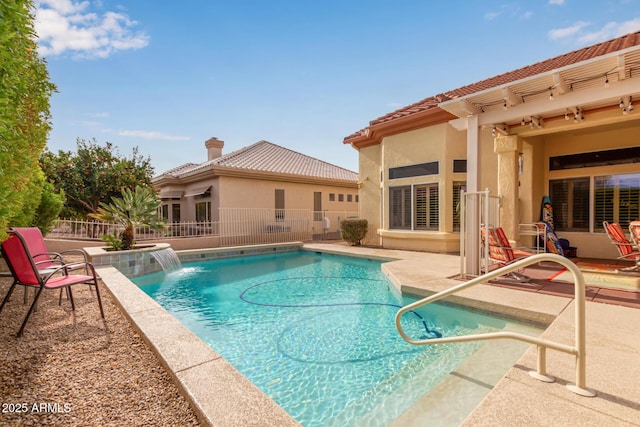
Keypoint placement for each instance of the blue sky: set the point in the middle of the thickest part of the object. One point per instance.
(166, 76)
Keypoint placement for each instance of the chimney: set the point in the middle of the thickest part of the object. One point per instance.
(214, 148)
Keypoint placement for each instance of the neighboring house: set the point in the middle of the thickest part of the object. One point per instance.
(260, 176)
(564, 127)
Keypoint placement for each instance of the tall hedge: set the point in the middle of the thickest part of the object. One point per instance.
(25, 119)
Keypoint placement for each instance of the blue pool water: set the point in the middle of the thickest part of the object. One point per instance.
(316, 332)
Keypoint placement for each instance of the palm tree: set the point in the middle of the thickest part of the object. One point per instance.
(134, 209)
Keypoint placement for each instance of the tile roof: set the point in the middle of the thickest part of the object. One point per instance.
(264, 156)
(580, 55)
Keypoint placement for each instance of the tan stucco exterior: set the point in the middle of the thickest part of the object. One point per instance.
(439, 143)
(516, 167)
(220, 187)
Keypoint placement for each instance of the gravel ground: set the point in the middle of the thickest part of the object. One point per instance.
(74, 369)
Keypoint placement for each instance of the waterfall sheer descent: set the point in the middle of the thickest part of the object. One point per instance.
(168, 259)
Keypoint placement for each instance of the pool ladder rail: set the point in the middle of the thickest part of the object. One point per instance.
(578, 350)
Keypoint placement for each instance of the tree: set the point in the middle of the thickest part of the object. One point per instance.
(94, 174)
(134, 209)
(41, 208)
(25, 119)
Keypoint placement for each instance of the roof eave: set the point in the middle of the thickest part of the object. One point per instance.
(375, 133)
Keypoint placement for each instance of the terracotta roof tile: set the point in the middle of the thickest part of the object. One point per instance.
(586, 53)
(264, 156)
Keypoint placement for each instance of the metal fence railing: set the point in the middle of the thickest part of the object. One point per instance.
(235, 226)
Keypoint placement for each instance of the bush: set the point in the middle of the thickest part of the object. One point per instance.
(353, 230)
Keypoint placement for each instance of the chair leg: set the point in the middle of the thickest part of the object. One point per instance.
(73, 305)
(99, 299)
(33, 305)
(6, 298)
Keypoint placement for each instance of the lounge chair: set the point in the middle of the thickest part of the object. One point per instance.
(634, 230)
(25, 272)
(625, 248)
(501, 252)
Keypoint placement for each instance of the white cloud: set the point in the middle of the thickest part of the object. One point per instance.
(526, 15)
(66, 26)
(608, 31)
(561, 33)
(144, 134)
(490, 16)
(556, 2)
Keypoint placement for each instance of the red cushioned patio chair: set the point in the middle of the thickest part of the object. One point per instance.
(38, 248)
(47, 261)
(25, 272)
(501, 252)
(625, 248)
(634, 230)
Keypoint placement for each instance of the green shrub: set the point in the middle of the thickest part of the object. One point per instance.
(353, 230)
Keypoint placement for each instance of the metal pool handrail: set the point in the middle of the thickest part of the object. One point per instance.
(579, 350)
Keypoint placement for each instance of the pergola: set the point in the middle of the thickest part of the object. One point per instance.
(547, 97)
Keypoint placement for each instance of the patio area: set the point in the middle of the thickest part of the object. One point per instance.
(604, 284)
(105, 373)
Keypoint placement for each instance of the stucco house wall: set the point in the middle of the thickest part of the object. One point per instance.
(248, 179)
(511, 159)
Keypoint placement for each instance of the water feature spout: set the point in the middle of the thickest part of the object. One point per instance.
(168, 260)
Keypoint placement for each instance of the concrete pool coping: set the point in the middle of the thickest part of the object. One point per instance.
(222, 396)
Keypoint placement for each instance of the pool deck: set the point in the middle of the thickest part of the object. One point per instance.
(613, 348)
(221, 396)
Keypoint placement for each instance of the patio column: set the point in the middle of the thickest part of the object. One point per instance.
(508, 149)
(472, 224)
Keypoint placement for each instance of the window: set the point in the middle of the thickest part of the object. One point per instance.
(431, 168)
(164, 212)
(459, 165)
(175, 212)
(458, 187)
(279, 204)
(414, 207)
(400, 206)
(349, 197)
(317, 206)
(570, 198)
(615, 198)
(597, 158)
(203, 211)
(341, 197)
(357, 198)
(332, 197)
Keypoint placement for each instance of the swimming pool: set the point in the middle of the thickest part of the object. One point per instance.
(316, 332)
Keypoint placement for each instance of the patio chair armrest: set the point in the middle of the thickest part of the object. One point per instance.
(52, 256)
(64, 268)
(75, 251)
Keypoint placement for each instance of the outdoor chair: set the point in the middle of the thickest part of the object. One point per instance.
(634, 230)
(47, 261)
(44, 259)
(502, 253)
(25, 272)
(625, 248)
